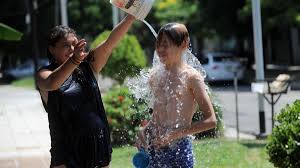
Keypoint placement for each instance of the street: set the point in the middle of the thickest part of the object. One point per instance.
(248, 107)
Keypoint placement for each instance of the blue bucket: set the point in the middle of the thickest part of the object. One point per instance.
(141, 159)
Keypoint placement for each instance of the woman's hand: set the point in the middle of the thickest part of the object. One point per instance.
(79, 53)
(131, 17)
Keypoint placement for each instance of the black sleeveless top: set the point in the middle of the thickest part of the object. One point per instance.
(78, 125)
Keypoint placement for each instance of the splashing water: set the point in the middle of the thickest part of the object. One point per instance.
(139, 85)
(151, 28)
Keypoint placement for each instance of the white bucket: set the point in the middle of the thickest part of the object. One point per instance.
(138, 8)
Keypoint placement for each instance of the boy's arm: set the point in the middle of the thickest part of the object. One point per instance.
(209, 119)
(102, 52)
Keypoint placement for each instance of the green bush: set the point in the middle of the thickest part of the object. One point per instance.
(124, 114)
(126, 60)
(215, 132)
(219, 130)
(284, 143)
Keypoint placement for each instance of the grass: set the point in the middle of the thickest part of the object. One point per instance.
(215, 153)
(27, 82)
(227, 154)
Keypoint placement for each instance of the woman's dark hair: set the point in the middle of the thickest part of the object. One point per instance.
(54, 35)
(177, 37)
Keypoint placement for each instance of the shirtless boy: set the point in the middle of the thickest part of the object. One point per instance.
(177, 89)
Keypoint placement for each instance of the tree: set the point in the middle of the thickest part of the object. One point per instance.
(89, 17)
(174, 11)
(221, 17)
(127, 59)
(276, 13)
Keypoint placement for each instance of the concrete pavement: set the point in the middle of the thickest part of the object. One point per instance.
(25, 140)
(24, 129)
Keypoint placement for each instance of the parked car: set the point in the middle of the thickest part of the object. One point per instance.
(23, 70)
(220, 66)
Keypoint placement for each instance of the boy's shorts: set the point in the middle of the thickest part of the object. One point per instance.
(179, 154)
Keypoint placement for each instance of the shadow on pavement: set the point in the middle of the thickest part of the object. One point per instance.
(256, 144)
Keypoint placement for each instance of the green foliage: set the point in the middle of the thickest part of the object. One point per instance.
(284, 143)
(9, 33)
(219, 130)
(298, 19)
(275, 13)
(186, 12)
(221, 17)
(124, 114)
(126, 60)
(89, 17)
(174, 10)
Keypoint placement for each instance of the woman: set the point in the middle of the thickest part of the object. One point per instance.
(70, 94)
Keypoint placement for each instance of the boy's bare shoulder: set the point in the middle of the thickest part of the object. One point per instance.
(193, 74)
(153, 70)
(153, 74)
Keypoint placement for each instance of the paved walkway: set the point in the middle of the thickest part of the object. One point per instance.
(25, 140)
(25, 137)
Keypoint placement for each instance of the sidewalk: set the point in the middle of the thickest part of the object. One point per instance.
(25, 140)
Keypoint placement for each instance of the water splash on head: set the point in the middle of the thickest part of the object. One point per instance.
(139, 85)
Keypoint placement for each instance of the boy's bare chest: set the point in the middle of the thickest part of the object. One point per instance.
(170, 87)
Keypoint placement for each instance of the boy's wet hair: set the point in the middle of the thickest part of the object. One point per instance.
(176, 36)
(55, 34)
